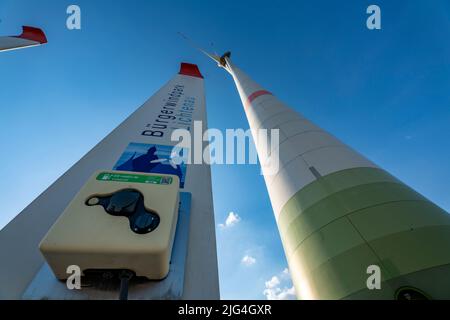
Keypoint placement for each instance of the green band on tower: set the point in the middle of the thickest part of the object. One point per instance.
(378, 221)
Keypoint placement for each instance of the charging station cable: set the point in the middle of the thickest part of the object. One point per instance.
(124, 276)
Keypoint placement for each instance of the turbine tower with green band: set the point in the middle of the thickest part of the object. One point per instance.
(339, 213)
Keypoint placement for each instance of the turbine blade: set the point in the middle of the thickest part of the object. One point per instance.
(30, 37)
(214, 57)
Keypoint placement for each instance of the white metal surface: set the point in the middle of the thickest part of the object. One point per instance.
(11, 43)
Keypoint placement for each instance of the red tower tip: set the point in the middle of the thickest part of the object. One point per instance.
(190, 69)
(33, 34)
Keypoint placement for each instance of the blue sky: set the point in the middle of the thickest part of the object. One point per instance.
(386, 93)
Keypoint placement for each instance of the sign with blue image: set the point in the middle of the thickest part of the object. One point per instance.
(154, 158)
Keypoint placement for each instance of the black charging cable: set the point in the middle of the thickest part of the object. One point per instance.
(125, 277)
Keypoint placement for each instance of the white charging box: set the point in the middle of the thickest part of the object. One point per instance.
(89, 237)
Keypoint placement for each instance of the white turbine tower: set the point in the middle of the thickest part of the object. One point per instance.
(340, 216)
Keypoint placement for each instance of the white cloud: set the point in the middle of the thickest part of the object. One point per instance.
(280, 287)
(285, 274)
(272, 283)
(231, 220)
(280, 293)
(248, 260)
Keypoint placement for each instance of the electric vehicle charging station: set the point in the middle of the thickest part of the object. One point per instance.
(118, 221)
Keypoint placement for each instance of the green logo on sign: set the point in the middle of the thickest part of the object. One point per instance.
(133, 178)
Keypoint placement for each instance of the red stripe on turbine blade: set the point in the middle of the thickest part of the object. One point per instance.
(257, 94)
(189, 69)
(33, 34)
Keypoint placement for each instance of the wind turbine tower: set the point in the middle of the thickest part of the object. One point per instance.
(342, 218)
